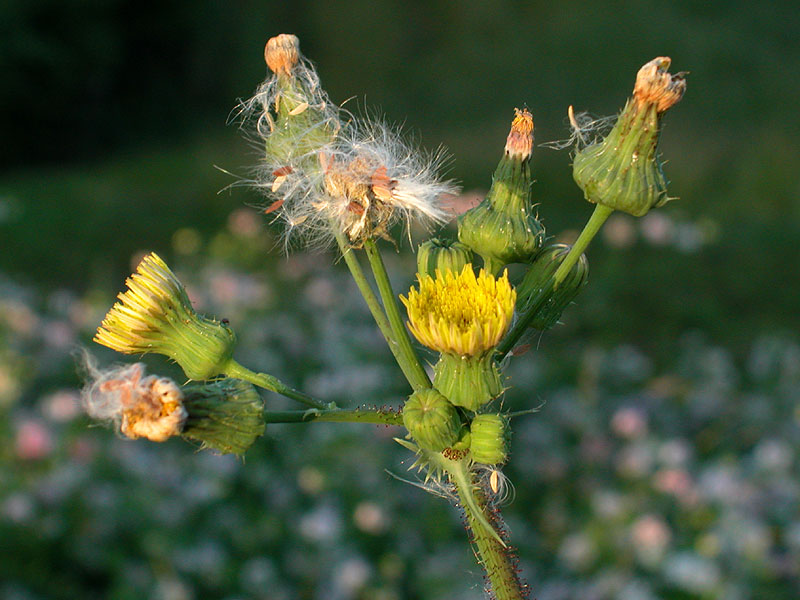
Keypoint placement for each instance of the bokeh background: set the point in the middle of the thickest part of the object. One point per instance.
(663, 460)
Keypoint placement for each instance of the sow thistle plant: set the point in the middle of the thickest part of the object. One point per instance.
(336, 179)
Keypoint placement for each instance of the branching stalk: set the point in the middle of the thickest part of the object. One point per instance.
(592, 227)
(273, 384)
(420, 377)
(339, 415)
(375, 308)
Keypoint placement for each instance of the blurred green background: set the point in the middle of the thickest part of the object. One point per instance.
(662, 463)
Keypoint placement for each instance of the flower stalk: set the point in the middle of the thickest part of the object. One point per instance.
(418, 377)
(273, 384)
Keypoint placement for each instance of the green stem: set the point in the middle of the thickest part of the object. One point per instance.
(493, 554)
(492, 265)
(374, 305)
(273, 384)
(420, 379)
(339, 415)
(593, 225)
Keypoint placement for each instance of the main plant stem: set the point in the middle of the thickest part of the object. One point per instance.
(390, 305)
(493, 553)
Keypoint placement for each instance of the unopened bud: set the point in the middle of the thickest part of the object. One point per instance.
(622, 171)
(226, 415)
(488, 443)
(503, 228)
(539, 274)
(442, 255)
(431, 420)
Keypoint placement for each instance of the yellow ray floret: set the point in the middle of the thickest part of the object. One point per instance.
(144, 309)
(460, 314)
(155, 315)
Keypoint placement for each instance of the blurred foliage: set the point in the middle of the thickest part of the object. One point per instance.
(662, 462)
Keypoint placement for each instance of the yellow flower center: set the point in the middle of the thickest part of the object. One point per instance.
(460, 314)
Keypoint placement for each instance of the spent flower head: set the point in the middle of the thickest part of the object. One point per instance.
(139, 405)
(504, 228)
(327, 172)
(622, 171)
(155, 315)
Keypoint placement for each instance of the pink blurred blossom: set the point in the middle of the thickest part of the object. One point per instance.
(33, 441)
(629, 423)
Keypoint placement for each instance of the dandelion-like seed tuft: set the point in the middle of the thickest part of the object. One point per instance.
(326, 172)
(139, 405)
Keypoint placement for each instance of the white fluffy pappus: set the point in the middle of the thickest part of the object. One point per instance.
(585, 130)
(138, 405)
(326, 172)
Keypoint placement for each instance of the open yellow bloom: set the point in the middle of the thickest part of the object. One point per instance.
(461, 314)
(464, 317)
(155, 315)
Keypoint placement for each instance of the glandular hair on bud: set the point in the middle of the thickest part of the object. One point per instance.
(539, 274)
(443, 255)
(431, 420)
(488, 439)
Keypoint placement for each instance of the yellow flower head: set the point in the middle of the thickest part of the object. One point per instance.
(461, 314)
(155, 315)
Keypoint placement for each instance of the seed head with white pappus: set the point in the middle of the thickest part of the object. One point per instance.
(326, 172)
(139, 405)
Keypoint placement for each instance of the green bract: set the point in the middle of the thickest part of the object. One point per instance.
(225, 415)
(444, 255)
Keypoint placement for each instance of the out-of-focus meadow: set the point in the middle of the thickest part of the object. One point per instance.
(663, 460)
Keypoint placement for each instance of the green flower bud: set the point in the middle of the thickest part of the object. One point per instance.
(622, 171)
(503, 228)
(225, 415)
(467, 381)
(431, 420)
(155, 315)
(442, 255)
(538, 275)
(488, 439)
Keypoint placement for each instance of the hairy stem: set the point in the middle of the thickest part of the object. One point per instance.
(390, 305)
(493, 553)
(273, 384)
